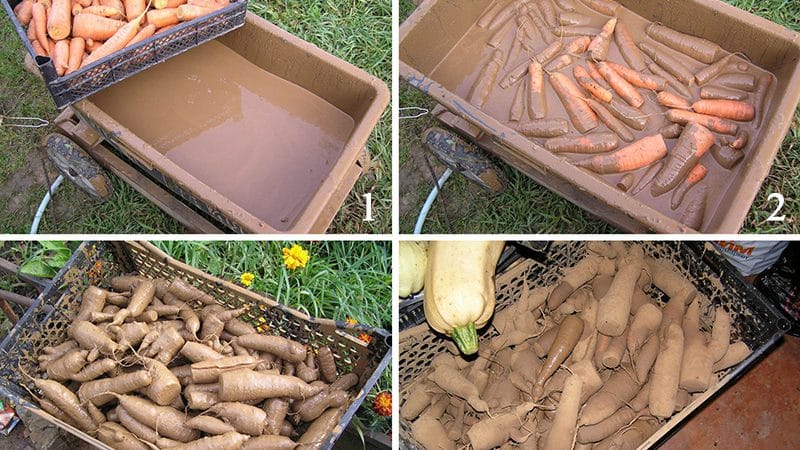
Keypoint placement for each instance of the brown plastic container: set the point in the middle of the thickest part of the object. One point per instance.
(348, 88)
(436, 27)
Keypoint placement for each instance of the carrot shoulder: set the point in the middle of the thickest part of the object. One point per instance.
(726, 109)
(58, 19)
(625, 90)
(580, 114)
(640, 154)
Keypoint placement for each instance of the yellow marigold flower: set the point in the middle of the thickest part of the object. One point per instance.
(247, 278)
(295, 257)
(351, 321)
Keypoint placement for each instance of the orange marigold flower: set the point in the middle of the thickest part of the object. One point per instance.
(382, 404)
(365, 337)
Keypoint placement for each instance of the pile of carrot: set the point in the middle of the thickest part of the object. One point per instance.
(76, 33)
(555, 41)
(151, 363)
(599, 359)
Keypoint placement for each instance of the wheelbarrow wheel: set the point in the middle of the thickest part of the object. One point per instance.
(464, 158)
(77, 166)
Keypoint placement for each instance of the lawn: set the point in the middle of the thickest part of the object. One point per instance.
(357, 31)
(526, 207)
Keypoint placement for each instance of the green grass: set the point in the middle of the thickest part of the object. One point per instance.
(526, 207)
(358, 31)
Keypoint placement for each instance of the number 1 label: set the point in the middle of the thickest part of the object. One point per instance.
(368, 214)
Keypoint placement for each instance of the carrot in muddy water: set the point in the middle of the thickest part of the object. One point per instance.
(59, 17)
(549, 52)
(647, 178)
(90, 26)
(740, 81)
(739, 141)
(672, 131)
(695, 141)
(542, 128)
(673, 82)
(39, 20)
(116, 42)
(24, 12)
(518, 107)
(605, 7)
(721, 93)
(498, 36)
(505, 14)
(671, 100)
(715, 124)
(578, 46)
(523, 24)
(573, 18)
(61, 56)
(487, 17)
(727, 156)
(146, 31)
(542, 28)
(629, 115)
(704, 76)
(592, 68)
(700, 49)
(537, 101)
(566, 5)
(573, 31)
(548, 12)
(582, 117)
(163, 17)
(642, 80)
(486, 79)
(589, 144)
(726, 109)
(598, 48)
(694, 214)
(585, 80)
(667, 62)
(621, 86)
(559, 63)
(609, 120)
(759, 98)
(696, 175)
(640, 154)
(627, 47)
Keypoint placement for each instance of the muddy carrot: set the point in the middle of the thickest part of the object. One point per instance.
(498, 36)
(578, 46)
(620, 85)
(89, 26)
(116, 42)
(190, 12)
(726, 109)
(542, 27)
(609, 120)
(39, 19)
(59, 19)
(559, 63)
(24, 12)
(671, 80)
(517, 44)
(727, 156)
(668, 63)
(537, 102)
(642, 80)
(61, 56)
(640, 154)
(600, 44)
(694, 214)
(696, 175)
(585, 80)
(671, 100)
(764, 82)
(694, 142)
(483, 87)
(715, 124)
(672, 131)
(549, 52)
(596, 75)
(647, 178)
(573, 18)
(163, 17)
(739, 141)
(542, 128)
(548, 12)
(590, 144)
(721, 93)
(632, 117)
(582, 117)
(76, 48)
(605, 7)
(518, 107)
(487, 17)
(704, 76)
(146, 31)
(566, 5)
(572, 31)
(740, 81)
(506, 13)
(628, 48)
(700, 49)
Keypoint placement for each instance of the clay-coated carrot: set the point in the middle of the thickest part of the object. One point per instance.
(642, 80)
(487, 17)
(596, 75)
(647, 178)
(97, 28)
(548, 12)
(582, 117)
(542, 28)
(605, 7)
(705, 75)
(694, 214)
(506, 14)
(668, 63)
(715, 124)
(640, 154)
(486, 79)
(146, 31)
(727, 156)
(498, 36)
(39, 19)
(116, 42)
(629, 115)
(566, 5)
(163, 17)
(626, 182)
(59, 19)
(721, 93)
(764, 82)
(585, 80)
(24, 12)
(571, 31)
(578, 46)
(696, 175)
(672, 131)
(190, 12)
(61, 56)
(590, 144)
(559, 63)
(694, 142)
(598, 48)
(537, 101)
(542, 128)
(727, 109)
(518, 106)
(742, 81)
(739, 142)
(609, 120)
(625, 90)
(671, 80)
(671, 100)
(573, 18)
(700, 49)
(549, 52)
(628, 48)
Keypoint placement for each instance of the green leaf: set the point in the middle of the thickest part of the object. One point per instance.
(57, 261)
(37, 268)
(54, 245)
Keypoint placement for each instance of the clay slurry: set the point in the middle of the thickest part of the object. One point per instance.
(261, 141)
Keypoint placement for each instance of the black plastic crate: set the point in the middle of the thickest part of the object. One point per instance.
(129, 61)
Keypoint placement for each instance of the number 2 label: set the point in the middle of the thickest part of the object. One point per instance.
(774, 217)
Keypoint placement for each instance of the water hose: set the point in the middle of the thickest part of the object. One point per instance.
(423, 213)
(42, 206)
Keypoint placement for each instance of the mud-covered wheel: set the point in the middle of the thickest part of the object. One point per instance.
(464, 158)
(78, 167)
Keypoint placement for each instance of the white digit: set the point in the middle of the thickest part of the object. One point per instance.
(368, 200)
(781, 201)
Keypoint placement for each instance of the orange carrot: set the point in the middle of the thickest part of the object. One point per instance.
(165, 28)
(105, 11)
(721, 93)
(549, 52)
(705, 75)
(542, 28)
(117, 4)
(589, 144)
(562, 32)
(163, 17)
(671, 80)
(668, 63)
(76, 48)
(77, 8)
(90, 26)
(629, 115)
(143, 34)
(580, 114)
(620, 85)
(190, 12)
(640, 154)
(694, 142)
(671, 100)
(92, 45)
(764, 82)
(585, 80)
(715, 124)
(537, 101)
(39, 20)
(59, 19)
(61, 56)
(161, 4)
(605, 7)
(697, 174)
(727, 109)
(596, 75)
(628, 48)
(116, 42)
(700, 49)
(37, 47)
(609, 120)
(578, 46)
(32, 29)
(518, 106)
(51, 46)
(642, 80)
(208, 3)
(85, 3)
(24, 12)
(560, 63)
(542, 128)
(599, 45)
(740, 81)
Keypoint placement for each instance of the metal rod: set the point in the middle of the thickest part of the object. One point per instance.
(9, 267)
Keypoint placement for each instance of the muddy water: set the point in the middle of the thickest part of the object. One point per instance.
(460, 69)
(259, 140)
